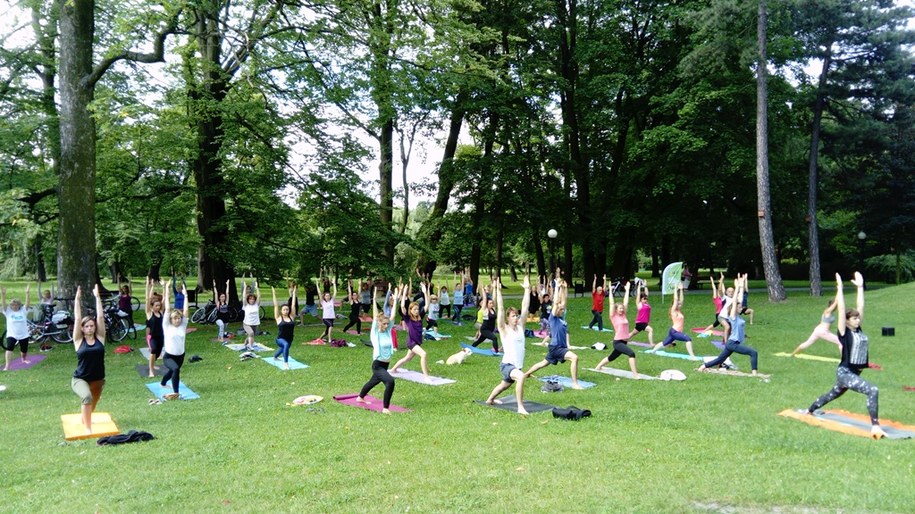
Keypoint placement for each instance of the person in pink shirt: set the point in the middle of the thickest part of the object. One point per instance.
(717, 294)
(597, 304)
(677, 320)
(621, 330)
(643, 317)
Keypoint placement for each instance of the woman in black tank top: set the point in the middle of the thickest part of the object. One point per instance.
(89, 343)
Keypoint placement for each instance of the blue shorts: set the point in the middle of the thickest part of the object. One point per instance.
(556, 354)
(506, 369)
(310, 309)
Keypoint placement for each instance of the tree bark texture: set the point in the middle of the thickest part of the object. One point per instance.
(813, 237)
(76, 265)
(766, 237)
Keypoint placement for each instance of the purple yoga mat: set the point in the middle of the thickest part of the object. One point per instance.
(34, 359)
(373, 403)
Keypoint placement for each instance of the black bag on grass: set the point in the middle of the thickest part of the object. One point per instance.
(571, 412)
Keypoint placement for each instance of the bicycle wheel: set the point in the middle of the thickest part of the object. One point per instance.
(199, 316)
(263, 313)
(63, 335)
(211, 317)
(135, 303)
(37, 332)
(119, 329)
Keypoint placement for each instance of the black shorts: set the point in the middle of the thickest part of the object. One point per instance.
(640, 327)
(556, 355)
(9, 344)
(155, 347)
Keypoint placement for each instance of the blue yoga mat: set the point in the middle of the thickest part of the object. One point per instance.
(595, 329)
(293, 364)
(160, 391)
(567, 382)
(675, 355)
(480, 351)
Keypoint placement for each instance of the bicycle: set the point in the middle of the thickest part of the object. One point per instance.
(56, 325)
(208, 313)
(618, 286)
(116, 326)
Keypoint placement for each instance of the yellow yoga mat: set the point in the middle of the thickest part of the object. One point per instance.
(102, 425)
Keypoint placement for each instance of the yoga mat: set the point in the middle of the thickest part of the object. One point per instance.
(570, 347)
(621, 373)
(674, 355)
(374, 404)
(717, 343)
(541, 333)
(102, 425)
(256, 347)
(700, 330)
(293, 364)
(480, 351)
(160, 391)
(595, 329)
(567, 382)
(143, 370)
(419, 378)
(316, 342)
(145, 353)
(636, 343)
(850, 423)
(734, 373)
(509, 403)
(808, 357)
(17, 364)
(353, 333)
(438, 337)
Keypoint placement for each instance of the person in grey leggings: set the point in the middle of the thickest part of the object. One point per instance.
(854, 356)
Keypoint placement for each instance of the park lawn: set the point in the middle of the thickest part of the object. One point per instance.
(711, 443)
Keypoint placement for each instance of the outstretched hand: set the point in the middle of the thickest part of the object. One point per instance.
(858, 280)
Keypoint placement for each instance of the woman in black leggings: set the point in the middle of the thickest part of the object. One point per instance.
(488, 327)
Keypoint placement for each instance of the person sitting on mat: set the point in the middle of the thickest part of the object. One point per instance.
(89, 343)
(821, 331)
(285, 326)
(512, 334)
(643, 315)
(175, 334)
(677, 321)
(854, 356)
(355, 304)
(620, 320)
(328, 315)
(17, 326)
(735, 341)
(252, 312)
(597, 304)
(154, 335)
(382, 351)
(558, 349)
(413, 321)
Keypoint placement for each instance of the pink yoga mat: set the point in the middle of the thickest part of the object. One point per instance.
(373, 403)
(34, 359)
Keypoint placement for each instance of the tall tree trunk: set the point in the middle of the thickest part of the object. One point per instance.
(205, 97)
(567, 12)
(766, 237)
(541, 260)
(385, 170)
(76, 195)
(446, 176)
(813, 237)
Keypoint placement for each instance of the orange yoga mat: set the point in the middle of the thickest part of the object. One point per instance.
(851, 423)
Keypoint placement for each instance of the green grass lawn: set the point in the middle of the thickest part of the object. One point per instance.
(711, 443)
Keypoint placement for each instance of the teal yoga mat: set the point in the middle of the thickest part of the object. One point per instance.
(293, 364)
(674, 355)
(160, 391)
(567, 381)
(480, 351)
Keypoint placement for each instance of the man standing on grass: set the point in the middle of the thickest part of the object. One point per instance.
(558, 349)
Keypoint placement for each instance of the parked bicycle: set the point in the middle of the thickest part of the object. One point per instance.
(207, 314)
(618, 286)
(116, 325)
(55, 325)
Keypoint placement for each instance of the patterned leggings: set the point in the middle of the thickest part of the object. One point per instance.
(847, 379)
